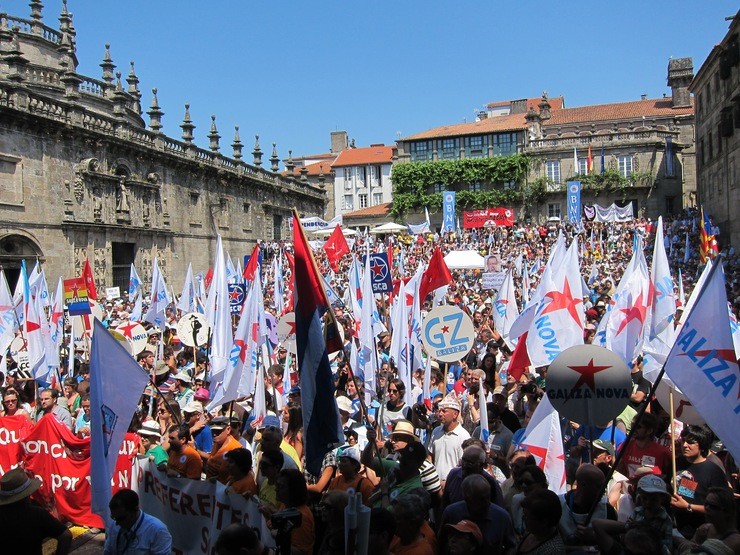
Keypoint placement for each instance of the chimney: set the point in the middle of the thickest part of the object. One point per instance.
(518, 106)
(680, 75)
(339, 141)
(643, 97)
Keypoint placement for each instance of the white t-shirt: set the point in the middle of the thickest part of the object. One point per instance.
(446, 448)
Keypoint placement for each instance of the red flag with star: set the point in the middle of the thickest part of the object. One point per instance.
(544, 440)
(435, 276)
(336, 247)
(87, 275)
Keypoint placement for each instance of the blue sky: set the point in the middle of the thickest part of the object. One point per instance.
(293, 71)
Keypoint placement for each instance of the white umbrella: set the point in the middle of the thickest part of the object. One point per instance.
(390, 227)
(329, 230)
(464, 260)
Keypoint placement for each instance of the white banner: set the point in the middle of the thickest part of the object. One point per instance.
(612, 213)
(315, 223)
(492, 280)
(195, 511)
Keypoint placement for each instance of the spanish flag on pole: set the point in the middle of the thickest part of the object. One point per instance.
(590, 162)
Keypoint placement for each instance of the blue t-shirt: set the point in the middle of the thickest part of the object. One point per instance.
(204, 439)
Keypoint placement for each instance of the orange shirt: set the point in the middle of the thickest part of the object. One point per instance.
(245, 486)
(360, 483)
(186, 463)
(302, 538)
(419, 547)
(217, 466)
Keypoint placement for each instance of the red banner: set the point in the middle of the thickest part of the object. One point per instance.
(488, 217)
(61, 461)
(13, 429)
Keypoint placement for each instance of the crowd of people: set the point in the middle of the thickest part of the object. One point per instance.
(433, 482)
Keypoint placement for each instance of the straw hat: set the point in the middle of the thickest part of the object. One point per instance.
(16, 485)
(404, 428)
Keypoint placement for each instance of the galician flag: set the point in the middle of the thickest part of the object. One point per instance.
(544, 440)
(219, 316)
(160, 298)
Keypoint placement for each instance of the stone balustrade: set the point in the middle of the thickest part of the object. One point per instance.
(596, 140)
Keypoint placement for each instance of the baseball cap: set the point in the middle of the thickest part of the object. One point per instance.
(193, 407)
(607, 446)
(344, 404)
(652, 484)
(349, 452)
(183, 376)
(469, 527)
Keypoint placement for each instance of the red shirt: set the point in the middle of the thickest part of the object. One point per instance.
(653, 454)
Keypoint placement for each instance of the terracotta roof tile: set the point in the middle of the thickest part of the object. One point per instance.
(657, 107)
(313, 169)
(368, 155)
(513, 122)
(618, 111)
(377, 210)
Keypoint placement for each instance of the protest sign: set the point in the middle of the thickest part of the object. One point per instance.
(193, 329)
(135, 334)
(380, 273)
(448, 333)
(492, 280)
(112, 293)
(488, 217)
(194, 511)
(236, 297)
(588, 384)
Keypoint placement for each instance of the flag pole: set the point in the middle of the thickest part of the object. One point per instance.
(673, 437)
(363, 412)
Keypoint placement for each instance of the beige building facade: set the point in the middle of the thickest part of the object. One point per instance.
(82, 174)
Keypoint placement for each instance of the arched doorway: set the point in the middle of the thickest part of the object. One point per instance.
(14, 248)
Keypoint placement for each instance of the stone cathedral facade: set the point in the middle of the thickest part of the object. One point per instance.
(83, 175)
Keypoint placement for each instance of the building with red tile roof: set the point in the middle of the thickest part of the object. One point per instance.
(362, 178)
(649, 141)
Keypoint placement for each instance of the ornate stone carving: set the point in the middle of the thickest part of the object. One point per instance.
(145, 210)
(79, 188)
(80, 255)
(100, 266)
(97, 206)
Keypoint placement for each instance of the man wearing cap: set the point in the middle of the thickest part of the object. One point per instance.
(463, 538)
(181, 389)
(445, 444)
(150, 443)
(501, 410)
(23, 524)
(199, 430)
(226, 432)
(348, 465)
(604, 458)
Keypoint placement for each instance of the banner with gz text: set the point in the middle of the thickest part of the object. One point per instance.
(61, 460)
(195, 511)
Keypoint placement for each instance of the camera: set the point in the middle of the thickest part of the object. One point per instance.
(529, 388)
(285, 521)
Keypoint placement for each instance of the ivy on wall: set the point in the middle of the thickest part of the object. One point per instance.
(412, 182)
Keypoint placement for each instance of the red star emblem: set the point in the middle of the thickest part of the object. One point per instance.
(292, 330)
(635, 312)
(126, 329)
(445, 329)
(563, 300)
(377, 268)
(587, 374)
